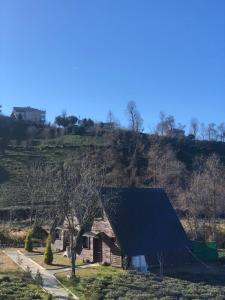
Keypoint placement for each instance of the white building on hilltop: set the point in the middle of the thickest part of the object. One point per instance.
(29, 114)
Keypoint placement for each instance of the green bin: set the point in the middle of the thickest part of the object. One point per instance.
(206, 251)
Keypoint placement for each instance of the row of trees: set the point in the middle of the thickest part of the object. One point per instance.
(166, 124)
(197, 130)
(19, 130)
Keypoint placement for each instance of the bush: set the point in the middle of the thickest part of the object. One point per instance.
(38, 278)
(48, 255)
(28, 242)
(27, 277)
(5, 279)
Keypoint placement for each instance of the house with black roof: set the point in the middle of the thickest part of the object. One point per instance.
(138, 226)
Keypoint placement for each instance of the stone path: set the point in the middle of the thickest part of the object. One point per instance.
(50, 283)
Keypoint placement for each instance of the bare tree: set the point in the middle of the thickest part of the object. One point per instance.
(165, 170)
(161, 127)
(166, 124)
(204, 200)
(40, 190)
(203, 132)
(71, 192)
(194, 127)
(111, 119)
(81, 201)
(211, 131)
(134, 117)
(170, 122)
(221, 132)
(181, 126)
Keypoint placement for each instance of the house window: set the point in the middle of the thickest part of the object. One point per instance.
(86, 242)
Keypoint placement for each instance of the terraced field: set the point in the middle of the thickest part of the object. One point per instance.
(15, 162)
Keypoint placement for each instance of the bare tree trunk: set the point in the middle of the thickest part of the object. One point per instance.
(73, 256)
(73, 263)
(161, 262)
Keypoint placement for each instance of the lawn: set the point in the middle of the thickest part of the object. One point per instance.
(114, 284)
(94, 273)
(59, 262)
(14, 285)
(7, 265)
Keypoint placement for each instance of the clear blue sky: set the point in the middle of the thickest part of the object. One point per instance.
(89, 56)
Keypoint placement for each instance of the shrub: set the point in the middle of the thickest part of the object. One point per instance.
(48, 255)
(38, 278)
(28, 242)
(5, 279)
(27, 275)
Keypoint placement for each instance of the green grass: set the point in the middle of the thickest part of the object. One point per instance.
(14, 285)
(82, 275)
(75, 140)
(111, 283)
(59, 261)
(15, 162)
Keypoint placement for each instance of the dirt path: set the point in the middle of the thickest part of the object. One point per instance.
(50, 283)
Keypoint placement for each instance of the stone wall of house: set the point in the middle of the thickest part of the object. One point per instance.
(116, 260)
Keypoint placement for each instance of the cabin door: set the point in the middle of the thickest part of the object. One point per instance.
(97, 250)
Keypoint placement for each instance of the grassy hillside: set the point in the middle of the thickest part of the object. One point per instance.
(14, 163)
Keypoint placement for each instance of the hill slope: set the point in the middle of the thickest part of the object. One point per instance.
(14, 163)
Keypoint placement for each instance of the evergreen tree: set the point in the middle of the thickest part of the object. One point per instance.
(28, 242)
(48, 255)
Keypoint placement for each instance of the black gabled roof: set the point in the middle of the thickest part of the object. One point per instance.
(143, 221)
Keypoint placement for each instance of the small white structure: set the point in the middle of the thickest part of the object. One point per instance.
(139, 263)
(67, 253)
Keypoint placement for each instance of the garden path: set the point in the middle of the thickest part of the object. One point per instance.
(50, 282)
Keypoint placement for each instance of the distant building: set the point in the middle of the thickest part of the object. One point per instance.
(29, 114)
(176, 133)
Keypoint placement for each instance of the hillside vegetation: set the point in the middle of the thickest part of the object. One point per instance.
(190, 168)
(16, 160)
